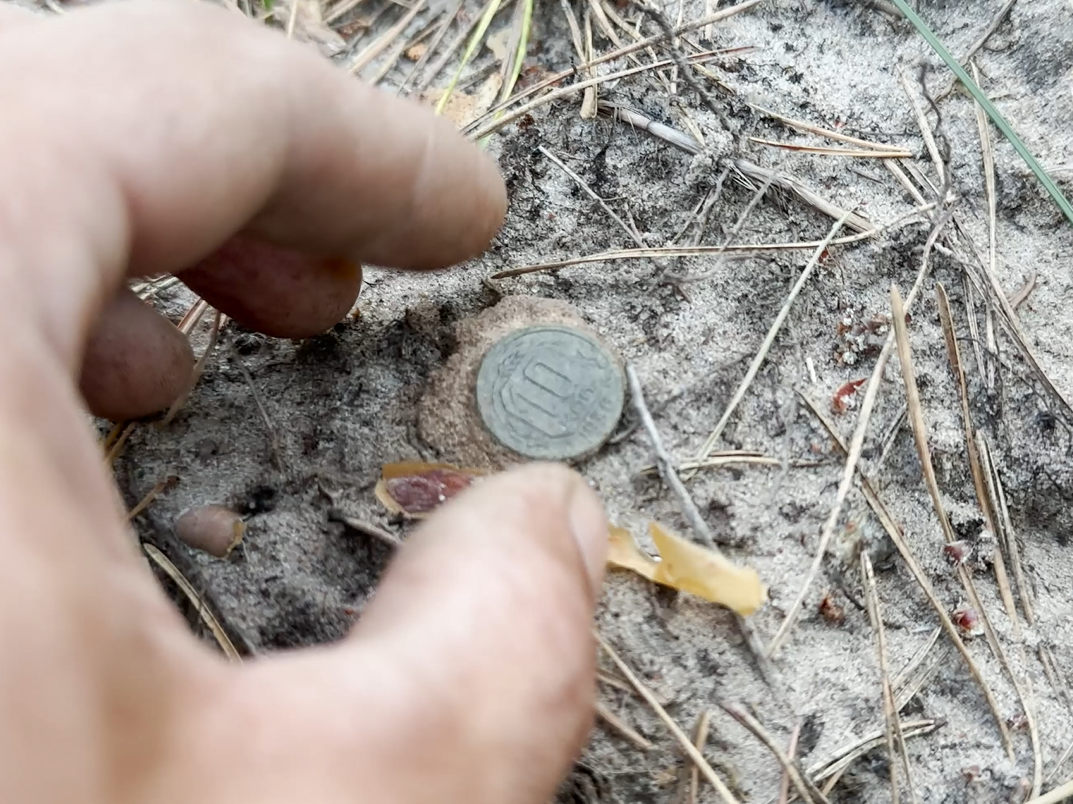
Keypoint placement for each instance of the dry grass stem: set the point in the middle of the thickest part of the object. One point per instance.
(619, 725)
(370, 53)
(830, 151)
(1060, 793)
(805, 193)
(975, 47)
(926, 132)
(120, 442)
(433, 72)
(147, 500)
(984, 498)
(218, 323)
(769, 340)
(885, 519)
(856, 446)
(700, 739)
(832, 768)
(727, 252)
(293, 17)
(890, 707)
(791, 752)
(501, 121)
(920, 437)
(270, 429)
(202, 608)
(433, 46)
(1003, 529)
(630, 231)
(804, 786)
(588, 98)
(365, 528)
(916, 674)
(824, 132)
(683, 739)
(481, 128)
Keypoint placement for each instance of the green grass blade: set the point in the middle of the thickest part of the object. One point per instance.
(474, 43)
(519, 56)
(992, 112)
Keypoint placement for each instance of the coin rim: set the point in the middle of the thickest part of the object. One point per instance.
(505, 341)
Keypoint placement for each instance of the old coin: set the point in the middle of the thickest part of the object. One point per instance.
(550, 392)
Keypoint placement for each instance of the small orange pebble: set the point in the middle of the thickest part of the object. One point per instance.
(844, 397)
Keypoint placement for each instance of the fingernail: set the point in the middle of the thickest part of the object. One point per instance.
(588, 523)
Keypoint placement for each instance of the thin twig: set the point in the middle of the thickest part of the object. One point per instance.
(769, 340)
(979, 43)
(620, 725)
(270, 429)
(855, 449)
(890, 708)
(666, 464)
(683, 739)
(804, 786)
(791, 752)
(207, 617)
(885, 519)
(689, 508)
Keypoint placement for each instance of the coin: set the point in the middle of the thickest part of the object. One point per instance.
(550, 392)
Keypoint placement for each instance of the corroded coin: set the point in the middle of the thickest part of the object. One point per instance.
(550, 392)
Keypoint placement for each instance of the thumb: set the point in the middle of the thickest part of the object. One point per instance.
(470, 677)
(486, 617)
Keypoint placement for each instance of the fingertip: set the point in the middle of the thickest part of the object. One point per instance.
(277, 291)
(457, 200)
(136, 362)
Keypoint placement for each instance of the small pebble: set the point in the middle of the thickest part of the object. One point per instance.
(213, 529)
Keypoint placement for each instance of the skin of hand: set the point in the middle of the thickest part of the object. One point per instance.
(172, 136)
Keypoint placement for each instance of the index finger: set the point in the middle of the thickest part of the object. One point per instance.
(247, 132)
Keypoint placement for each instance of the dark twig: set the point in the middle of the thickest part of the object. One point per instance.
(665, 463)
(669, 473)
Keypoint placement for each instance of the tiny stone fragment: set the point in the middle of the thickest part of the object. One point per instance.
(213, 529)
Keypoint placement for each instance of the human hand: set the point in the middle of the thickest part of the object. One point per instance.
(142, 138)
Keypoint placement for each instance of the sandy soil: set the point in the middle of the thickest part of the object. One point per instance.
(345, 403)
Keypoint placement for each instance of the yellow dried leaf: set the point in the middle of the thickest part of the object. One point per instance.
(691, 568)
(625, 553)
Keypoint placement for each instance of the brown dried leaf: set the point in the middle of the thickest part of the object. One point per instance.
(416, 489)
